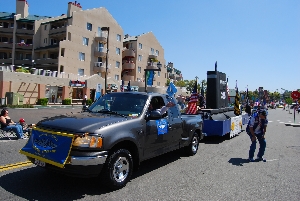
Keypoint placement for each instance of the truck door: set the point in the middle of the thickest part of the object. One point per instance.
(175, 121)
(158, 136)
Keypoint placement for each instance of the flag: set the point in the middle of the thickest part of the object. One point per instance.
(122, 86)
(192, 105)
(149, 77)
(237, 111)
(129, 87)
(171, 89)
(248, 108)
(228, 91)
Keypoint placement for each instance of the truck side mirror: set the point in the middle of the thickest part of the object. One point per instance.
(155, 115)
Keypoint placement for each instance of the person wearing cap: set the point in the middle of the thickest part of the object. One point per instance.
(8, 124)
(258, 127)
(23, 124)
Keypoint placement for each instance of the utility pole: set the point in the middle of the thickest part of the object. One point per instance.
(197, 82)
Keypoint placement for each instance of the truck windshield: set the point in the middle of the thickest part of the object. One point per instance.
(121, 103)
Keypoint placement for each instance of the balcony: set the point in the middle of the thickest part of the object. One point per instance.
(128, 65)
(152, 56)
(171, 76)
(6, 45)
(57, 30)
(6, 30)
(25, 31)
(178, 78)
(152, 65)
(127, 77)
(6, 61)
(100, 52)
(102, 38)
(46, 61)
(23, 61)
(24, 46)
(128, 53)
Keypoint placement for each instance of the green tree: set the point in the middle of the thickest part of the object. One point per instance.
(180, 83)
(289, 100)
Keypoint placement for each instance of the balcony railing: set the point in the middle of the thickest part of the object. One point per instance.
(57, 30)
(152, 65)
(128, 65)
(6, 30)
(99, 64)
(24, 46)
(102, 37)
(6, 45)
(100, 52)
(46, 61)
(25, 31)
(152, 55)
(128, 53)
(127, 77)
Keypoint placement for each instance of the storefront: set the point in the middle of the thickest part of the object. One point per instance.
(53, 94)
(77, 92)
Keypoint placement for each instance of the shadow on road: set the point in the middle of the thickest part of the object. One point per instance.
(35, 183)
(238, 161)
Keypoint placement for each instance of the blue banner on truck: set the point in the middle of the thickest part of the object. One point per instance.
(48, 146)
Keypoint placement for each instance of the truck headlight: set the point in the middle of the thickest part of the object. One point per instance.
(87, 140)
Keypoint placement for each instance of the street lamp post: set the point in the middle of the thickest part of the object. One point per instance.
(106, 59)
(158, 69)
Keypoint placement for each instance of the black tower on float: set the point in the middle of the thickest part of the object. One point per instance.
(217, 96)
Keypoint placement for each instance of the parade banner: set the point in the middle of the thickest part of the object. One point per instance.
(48, 146)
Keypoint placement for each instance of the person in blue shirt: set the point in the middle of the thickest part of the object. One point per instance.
(257, 131)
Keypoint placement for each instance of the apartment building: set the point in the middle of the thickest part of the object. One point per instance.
(85, 45)
(139, 53)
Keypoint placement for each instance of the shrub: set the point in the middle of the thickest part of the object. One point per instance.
(89, 101)
(66, 101)
(42, 101)
(17, 106)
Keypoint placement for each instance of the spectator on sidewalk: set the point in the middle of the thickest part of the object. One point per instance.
(8, 124)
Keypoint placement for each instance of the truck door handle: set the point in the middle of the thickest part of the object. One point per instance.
(169, 125)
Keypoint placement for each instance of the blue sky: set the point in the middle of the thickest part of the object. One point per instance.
(256, 42)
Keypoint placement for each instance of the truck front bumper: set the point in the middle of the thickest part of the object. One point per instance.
(81, 164)
(98, 158)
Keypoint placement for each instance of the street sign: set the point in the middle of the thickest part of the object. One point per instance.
(295, 95)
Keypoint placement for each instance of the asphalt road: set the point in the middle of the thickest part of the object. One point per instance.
(219, 171)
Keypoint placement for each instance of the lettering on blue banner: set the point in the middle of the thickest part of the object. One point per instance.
(162, 126)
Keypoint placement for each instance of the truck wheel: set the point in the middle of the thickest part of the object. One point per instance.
(193, 146)
(118, 169)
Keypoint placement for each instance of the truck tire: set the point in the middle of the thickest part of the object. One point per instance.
(118, 169)
(192, 148)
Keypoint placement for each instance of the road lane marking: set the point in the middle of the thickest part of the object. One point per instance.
(281, 122)
(272, 160)
(15, 165)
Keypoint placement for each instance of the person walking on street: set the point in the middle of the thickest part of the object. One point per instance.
(257, 130)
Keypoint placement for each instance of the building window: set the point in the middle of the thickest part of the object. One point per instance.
(158, 73)
(118, 51)
(45, 27)
(85, 41)
(44, 56)
(117, 64)
(116, 77)
(141, 46)
(157, 53)
(45, 40)
(80, 71)
(62, 52)
(158, 83)
(69, 36)
(89, 26)
(12, 25)
(118, 37)
(140, 58)
(81, 56)
(61, 69)
(139, 69)
(152, 51)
